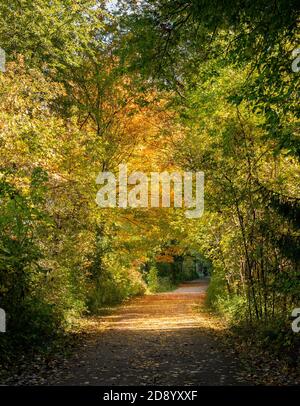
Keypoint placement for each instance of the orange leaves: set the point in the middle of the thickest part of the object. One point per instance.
(164, 259)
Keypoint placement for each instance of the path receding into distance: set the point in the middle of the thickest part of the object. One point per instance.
(161, 339)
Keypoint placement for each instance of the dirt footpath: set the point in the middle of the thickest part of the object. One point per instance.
(162, 339)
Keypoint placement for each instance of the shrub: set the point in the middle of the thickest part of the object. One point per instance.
(231, 305)
(114, 285)
(158, 283)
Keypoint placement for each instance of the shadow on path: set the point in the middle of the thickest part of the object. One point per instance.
(161, 339)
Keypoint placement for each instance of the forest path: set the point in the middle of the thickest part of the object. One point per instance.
(161, 339)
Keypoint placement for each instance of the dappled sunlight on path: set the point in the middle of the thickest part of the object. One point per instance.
(161, 339)
(166, 311)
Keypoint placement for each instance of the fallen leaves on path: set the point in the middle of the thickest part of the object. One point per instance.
(162, 339)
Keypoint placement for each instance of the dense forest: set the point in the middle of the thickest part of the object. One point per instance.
(181, 85)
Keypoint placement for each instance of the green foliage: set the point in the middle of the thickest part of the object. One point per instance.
(50, 35)
(153, 279)
(31, 320)
(157, 283)
(230, 305)
(113, 286)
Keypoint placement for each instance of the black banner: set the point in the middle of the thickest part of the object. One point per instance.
(133, 395)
